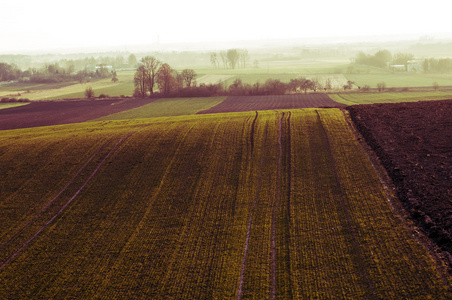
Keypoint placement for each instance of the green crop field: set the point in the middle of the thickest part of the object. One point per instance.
(70, 89)
(167, 107)
(389, 97)
(8, 105)
(401, 79)
(277, 204)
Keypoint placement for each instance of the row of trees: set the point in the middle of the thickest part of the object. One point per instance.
(152, 73)
(9, 72)
(433, 65)
(65, 70)
(382, 58)
(231, 58)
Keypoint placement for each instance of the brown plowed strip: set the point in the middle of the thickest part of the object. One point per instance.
(272, 102)
(48, 113)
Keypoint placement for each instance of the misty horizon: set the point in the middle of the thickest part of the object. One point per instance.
(49, 25)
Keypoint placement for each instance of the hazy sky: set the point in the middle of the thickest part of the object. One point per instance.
(27, 25)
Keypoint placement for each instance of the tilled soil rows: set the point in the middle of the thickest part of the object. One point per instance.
(414, 143)
(63, 112)
(270, 102)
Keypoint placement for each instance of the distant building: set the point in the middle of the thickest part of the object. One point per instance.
(109, 68)
(397, 68)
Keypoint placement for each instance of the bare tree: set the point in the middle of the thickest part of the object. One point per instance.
(233, 57)
(214, 60)
(132, 60)
(224, 59)
(139, 81)
(165, 79)
(89, 92)
(244, 57)
(114, 77)
(306, 84)
(328, 85)
(151, 65)
(188, 75)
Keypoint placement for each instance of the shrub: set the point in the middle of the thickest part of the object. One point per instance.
(89, 93)
(365, 88)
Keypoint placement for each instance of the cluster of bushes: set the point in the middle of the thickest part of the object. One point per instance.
(9, 72)
(12, 100)
(238, 88)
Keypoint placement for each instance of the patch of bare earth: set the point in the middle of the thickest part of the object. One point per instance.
(413, 142)
(47, 113)
(271, 102)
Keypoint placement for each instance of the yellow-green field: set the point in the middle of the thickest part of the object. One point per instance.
(8, 105)
(277, 204)
(124, 86)
(166, 107)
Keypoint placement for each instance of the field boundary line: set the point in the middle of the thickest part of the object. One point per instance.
(58, 213)
(346, 212)
(250, 219)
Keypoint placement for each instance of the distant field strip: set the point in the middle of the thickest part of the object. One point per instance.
(167, 107)
(336, 81)
(271, 102)
(64, 112)
(269, 204)
(213, 79)
(389, 97)
(9, 105)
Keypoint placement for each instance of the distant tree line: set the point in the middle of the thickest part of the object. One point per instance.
(433, 65)
(230, 59)
(81, 70)
(9, 72)
(152, 73)
(383, 57)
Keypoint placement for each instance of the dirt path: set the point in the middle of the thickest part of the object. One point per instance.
(61, 210)
(250, 219)
(350, 225)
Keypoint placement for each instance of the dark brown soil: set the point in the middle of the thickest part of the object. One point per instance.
(63, 112)
(414, 143)
(253, 103)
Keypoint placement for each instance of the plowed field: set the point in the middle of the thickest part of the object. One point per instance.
(63, 112)
(253, 103)
(275, 204)
(414, 144)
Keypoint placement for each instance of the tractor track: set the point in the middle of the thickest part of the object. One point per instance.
(275, 212)
(253, 208)
(62, 209)
(43, 210)
(356, 247)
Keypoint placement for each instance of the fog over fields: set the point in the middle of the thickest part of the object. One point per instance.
(52, 25)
